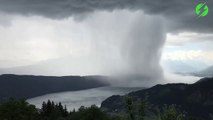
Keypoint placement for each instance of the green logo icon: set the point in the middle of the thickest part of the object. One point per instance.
(202, 9)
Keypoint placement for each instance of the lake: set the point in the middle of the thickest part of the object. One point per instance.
(75, 99)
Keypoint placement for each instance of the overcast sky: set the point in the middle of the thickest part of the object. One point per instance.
(84, 37)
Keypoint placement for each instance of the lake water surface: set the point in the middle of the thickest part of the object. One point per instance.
(75, 99)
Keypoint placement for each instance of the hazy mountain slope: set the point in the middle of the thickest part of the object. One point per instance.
(208, 72)
(196, 99)
(26, 86)
(178, 66)
(56, 67)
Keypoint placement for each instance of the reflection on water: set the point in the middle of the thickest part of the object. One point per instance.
(75, 99)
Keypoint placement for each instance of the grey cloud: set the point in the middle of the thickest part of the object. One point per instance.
(181, 39)
(180, 13)
(58, 8)
(142, 49)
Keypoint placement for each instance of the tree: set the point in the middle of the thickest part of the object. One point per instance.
(53, 111)
(129, 103)
(171, 113)
(65, 112)
(211, 116)
(89, 113)
(18, 110)
(117, 117)
(143, 107)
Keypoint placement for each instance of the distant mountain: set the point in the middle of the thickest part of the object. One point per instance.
(58, 67)
(178, 66)
(208, 72)
(196, 99)
(28, 86)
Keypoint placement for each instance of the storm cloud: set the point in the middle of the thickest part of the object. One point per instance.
(180, 13)
(140, 46)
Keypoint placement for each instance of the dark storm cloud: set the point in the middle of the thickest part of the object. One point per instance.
(143, 44)
(180, 13)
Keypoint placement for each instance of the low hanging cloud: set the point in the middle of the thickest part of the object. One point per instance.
(183, 55)
(184, 38)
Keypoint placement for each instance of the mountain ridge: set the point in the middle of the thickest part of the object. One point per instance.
(189, 97)
(28, 86)
(208, 72)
